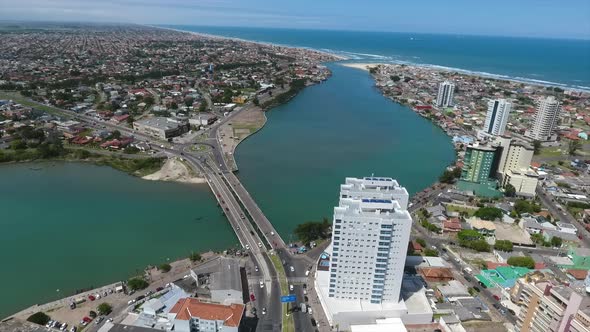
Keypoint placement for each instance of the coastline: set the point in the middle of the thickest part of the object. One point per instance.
(539, 83)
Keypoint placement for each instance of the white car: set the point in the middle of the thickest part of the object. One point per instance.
(291, 287)
(292, 269)
(256, 268)
(259, 245)
(261, 284)
(247, 247)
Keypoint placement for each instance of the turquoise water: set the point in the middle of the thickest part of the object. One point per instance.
(556, 61)
(71, 226)
(343, 127)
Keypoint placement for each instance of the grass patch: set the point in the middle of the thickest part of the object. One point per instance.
(138, 167)
(15, 96)
(550, 152)
(250, 127)
(454, 208)
(288, 324)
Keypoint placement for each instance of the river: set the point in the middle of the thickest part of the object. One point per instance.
(342, 127)
(69, 226)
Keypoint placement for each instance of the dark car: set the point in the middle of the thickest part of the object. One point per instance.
(141, 297)
(313, 323)
(159, 289)
(252, 297)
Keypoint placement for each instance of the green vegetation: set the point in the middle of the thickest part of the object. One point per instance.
(165, 267)
(139, 167)
(556, 241)
(503, 245)
(296, 86)
(450, 176)
(509, 190)
(39, 318)
(469, 238)
(137, 283)
(104, 309)
(573, 146)
(578, 205)
(431, 227)
(536, 147)
(288, 324)
(421, 242)
(313, 230)
(430, 252)
(195, 257)
(462, 210)
(523, 206)
(92, 314)
(489, 213)
(522, 261)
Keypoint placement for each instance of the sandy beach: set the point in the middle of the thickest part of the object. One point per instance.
(362, 66)
(174, 170)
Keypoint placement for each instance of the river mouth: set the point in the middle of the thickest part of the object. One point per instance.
(342, 127)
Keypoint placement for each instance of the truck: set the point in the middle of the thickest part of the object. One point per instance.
(79, 300)
(303, 307)
(468, 270)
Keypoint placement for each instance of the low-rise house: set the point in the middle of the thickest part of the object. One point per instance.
(190, 314)
(483, 227)
(436, 274)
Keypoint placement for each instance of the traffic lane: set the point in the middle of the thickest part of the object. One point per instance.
(548, 201)
(302, 319)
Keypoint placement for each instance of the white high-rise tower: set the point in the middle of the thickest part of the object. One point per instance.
(545, 119)
(497, 116)
(371, 230)
(446, 90)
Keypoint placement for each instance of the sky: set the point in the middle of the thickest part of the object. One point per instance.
(531, 18)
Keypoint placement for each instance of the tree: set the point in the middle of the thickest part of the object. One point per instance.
(468, 234)
(174, 105)
(573, 146)
(256, 101)
(92, 314)
(536, 147)
(556, 241)
(116, 134)
(312, 230)
(449, 176)
(522, 261)
(421, 242)
(104, 309)
(503, 245)
(203, 106)
(395, 78)
(523, 206)
(137, 283)
(194, 257)
(509, 190)
(165, 267)
(430, 252)
(39, 318)
(488, 213)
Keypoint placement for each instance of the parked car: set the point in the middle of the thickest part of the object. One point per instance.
(159, 289)
(292, 269)
(291, 287)
(261, 284)
(496, 297)
(252, 297)
(91, 297)
(99, 319)
(256, 268)
(264, 311)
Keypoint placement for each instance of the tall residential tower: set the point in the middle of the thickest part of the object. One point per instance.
(545, 119)
(446, 90)
(497, 117)
(370, 236)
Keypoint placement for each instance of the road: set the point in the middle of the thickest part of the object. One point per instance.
(218, 179)
(564, 216)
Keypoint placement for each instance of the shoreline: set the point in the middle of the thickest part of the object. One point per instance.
(207, 35)
(539, 83)
(340, 57)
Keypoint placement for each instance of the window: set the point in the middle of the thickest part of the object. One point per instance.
(387, 226)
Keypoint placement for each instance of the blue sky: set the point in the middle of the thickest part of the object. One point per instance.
(537, 18)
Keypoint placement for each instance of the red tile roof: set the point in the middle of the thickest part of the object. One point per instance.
(578, 274)
(189, 307)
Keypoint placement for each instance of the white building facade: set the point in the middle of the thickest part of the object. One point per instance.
(497, 116)
(371, 230)
(545, 119)
(446, 91)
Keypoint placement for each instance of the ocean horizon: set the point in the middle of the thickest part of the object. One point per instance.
(544, 61)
